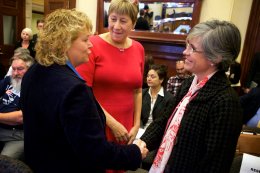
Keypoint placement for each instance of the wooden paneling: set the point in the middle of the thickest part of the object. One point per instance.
(51, 5)
(16, 9)
(13, 4)
(252, 40)
(166, 54)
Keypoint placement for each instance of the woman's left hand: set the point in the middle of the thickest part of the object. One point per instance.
(132, 134)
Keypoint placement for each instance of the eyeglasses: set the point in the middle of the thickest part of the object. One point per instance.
(191, 49)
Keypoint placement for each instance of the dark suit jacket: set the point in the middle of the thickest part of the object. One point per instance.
(250, 103)
(142, 24)
(208, 133)
(159, 106)
(35, 37)
(64, 126)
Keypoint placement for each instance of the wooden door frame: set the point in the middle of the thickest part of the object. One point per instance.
(19, 12)
(251, 40)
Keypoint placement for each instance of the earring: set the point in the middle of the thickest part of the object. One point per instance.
(212, 64)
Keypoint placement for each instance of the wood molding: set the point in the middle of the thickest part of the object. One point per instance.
(252, 40)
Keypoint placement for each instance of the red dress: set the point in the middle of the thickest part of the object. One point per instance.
(113, 75)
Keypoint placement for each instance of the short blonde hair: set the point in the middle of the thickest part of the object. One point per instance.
(28, 31)
(60, 29)
(124, 7)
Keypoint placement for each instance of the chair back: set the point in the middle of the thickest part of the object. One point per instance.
(249, 141)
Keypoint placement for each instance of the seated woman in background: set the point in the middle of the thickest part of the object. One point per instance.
(26, 41)
(155, 98)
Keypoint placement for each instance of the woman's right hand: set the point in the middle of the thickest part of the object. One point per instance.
(142, 146)
(119, 132)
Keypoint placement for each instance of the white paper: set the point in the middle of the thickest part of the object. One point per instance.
(250, 164)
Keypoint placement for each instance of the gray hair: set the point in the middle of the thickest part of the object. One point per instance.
(220, 40)
(21, 50)
(26, 57)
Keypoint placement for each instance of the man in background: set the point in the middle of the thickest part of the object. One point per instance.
(39, 25)
(148, 15)
(175, 82)
(142, 23)
(11, 117)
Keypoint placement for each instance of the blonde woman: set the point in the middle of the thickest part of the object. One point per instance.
(26, 41)
(64, 126)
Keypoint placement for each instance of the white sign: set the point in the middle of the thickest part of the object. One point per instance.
(250, 164)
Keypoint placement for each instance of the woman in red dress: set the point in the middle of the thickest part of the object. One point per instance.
(115, 71)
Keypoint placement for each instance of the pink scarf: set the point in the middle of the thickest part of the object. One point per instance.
(173, 125)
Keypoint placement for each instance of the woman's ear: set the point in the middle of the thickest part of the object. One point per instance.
(216, 61)
(133, 26)
(161, 81)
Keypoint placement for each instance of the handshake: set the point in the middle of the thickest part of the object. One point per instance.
(142, 146)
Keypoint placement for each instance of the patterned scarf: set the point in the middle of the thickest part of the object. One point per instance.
(173, 125)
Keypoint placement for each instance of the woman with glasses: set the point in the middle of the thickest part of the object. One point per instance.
(200, 133)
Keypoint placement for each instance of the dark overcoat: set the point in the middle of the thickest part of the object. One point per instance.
(64, 126)
(208, 133)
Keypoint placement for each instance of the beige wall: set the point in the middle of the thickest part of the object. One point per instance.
(90, 8)
(240, 17)
(28, 13)
(236, 11)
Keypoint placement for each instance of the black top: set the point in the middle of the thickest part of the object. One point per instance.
(159, 106)
(142, 24)
(30, 47)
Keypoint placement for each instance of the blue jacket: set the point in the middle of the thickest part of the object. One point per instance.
(250, 103)
(64, 126)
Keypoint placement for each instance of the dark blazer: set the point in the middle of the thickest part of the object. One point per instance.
(142, 24)
(64, 126)
(250, 103)
(159, 106)
(35, 37)
(208, 133)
